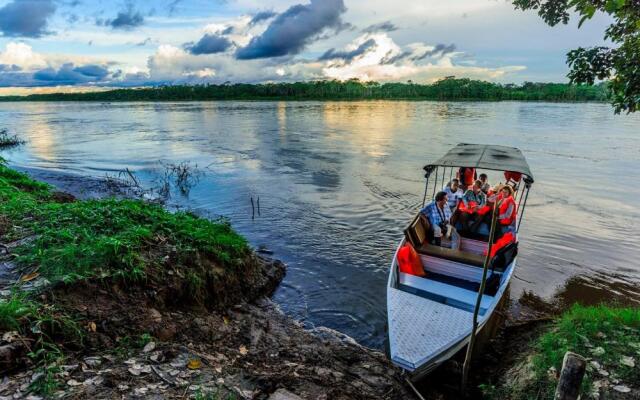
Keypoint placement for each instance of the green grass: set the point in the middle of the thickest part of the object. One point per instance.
(121, 239)
(14, 310)
(104, 238)
(581, 330)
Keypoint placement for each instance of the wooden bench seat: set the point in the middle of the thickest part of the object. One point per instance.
(463, 257)
(452, 295)
(417, 234)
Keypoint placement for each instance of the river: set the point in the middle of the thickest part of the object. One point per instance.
(338, 182)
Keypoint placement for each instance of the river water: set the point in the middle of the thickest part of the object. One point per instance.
(338, 181)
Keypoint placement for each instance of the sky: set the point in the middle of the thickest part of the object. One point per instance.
(81, 44)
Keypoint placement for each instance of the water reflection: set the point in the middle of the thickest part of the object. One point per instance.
(338, 181)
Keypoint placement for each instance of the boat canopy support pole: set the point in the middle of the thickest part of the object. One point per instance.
(483, 283)
(524, 205)
(429, 170)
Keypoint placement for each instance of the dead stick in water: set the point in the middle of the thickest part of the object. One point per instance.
(253, 209)
(258, 206)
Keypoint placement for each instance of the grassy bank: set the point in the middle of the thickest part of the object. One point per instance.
(122, 299)
(608, 337)
(57, 241)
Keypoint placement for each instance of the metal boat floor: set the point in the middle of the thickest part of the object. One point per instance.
(421, 329)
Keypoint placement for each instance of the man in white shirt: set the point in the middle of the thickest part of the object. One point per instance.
(454, 193)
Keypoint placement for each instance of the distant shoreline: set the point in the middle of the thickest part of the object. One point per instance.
(449, 89)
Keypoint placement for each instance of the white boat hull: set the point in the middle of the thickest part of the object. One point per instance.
(424, 332)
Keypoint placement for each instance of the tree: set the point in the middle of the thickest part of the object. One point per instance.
(619, 65)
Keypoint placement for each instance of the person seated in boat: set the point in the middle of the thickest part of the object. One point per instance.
(485, 183)
(466, 176)
(507, 211)
(473, 201)
(454, 193)
(439, 215)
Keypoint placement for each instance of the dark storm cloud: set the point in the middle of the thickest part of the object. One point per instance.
(348, 56)
(440, 50)
(292, 30)
(385, 26)
(67, 74)
(391, 59)
(126, 19)
(26, 18)
(9, 68)
(262, 16)
(208, 44)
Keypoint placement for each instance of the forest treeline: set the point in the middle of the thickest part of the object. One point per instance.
(444, 89)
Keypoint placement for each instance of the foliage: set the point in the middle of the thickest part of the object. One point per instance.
(601, 333)
(446, 89)
(620, 64)
(102, 238)
(7, 140)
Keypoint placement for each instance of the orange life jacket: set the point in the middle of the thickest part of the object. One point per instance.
(468, 176)
(507, 238)
(514, 176)
(504, 205)
(463, 208)
(409, 261)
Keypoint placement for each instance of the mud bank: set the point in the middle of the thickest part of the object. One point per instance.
(167, 311)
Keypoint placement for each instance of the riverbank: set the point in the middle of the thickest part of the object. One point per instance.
(447, 89)
(120, 298)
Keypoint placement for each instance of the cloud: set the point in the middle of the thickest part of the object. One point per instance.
(385, 26)
(209, 44)
(173, 6)
(10, 68)
(371, 65)
(348, 56)
(126, 19)
(67, 74)
(262, 16)
(26, 18)
(22, 56)
(440, 50)
(291, 31)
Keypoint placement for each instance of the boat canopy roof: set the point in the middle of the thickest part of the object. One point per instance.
(484, 156)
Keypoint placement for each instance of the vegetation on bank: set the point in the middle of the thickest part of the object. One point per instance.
(607, 336)
(59, 242)
(446, 89)
(7, 140)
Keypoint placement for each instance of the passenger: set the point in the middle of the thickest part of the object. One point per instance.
(507, 211)
(466, 176)
(439, 215)
(485, 183)
(473, 200)
(454, 193)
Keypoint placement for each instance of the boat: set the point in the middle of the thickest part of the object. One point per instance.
(430, 318)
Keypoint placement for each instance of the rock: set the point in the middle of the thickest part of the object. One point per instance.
(598, 351)
(595, 365)
(73, 382)
(10, 336)
(123, 387)
(155, 316)
(140, 391)
(149, 347)
(603, 372)
(283, 394)
(137, 369)
(621, 389)
(628, 361)
(601, 335)
(93, 361)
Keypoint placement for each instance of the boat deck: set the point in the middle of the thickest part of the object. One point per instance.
(420, 328)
